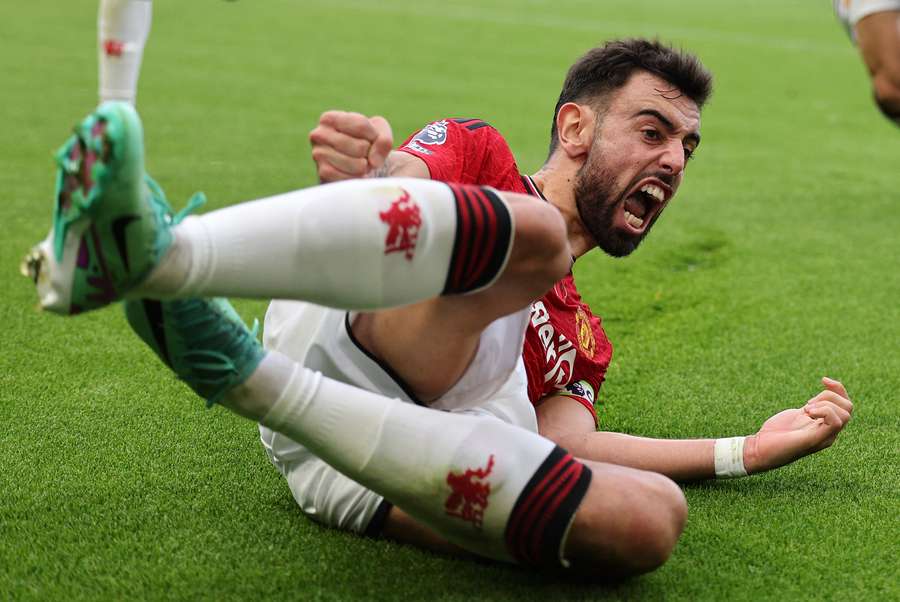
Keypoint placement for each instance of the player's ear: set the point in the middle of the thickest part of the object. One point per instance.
(575, 128)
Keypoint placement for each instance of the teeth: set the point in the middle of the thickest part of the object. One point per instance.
(654, 191)
(633, 221)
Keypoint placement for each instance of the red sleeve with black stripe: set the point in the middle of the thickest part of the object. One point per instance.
(465, 151)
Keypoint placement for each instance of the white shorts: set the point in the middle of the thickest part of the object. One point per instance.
(851, 12)
(494, 384)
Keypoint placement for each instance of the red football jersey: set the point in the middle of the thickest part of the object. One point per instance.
(566, 351)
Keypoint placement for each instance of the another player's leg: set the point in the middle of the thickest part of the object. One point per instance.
(874, 26)
(122, 30)
(878, 37)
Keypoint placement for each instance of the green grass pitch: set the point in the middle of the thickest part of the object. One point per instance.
(778, 263)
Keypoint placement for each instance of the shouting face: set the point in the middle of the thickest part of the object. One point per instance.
(636, 162)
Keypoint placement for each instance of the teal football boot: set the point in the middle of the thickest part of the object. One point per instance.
(111, 223)
(203, 341)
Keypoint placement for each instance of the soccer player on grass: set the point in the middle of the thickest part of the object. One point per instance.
(874, 25)
(487, 486)
(624, 128)
(468, 260)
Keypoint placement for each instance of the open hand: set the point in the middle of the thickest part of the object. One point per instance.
(792, 434)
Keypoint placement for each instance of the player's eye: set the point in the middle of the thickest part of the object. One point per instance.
(652, 135)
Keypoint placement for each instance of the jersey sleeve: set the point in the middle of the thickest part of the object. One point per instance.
(582, 391)
(566, 349)
(456, 150)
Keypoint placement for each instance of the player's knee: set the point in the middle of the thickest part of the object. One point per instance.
(887, 94)
(673, 513)
(543, 244)
(637, 533)
(659, 524)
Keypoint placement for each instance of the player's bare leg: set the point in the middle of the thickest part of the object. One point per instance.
(875, 28)
(878, 36)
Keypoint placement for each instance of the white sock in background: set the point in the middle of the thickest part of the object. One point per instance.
(122, 30)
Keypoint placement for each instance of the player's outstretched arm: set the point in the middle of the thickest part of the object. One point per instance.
(350, 145)
(783, 438)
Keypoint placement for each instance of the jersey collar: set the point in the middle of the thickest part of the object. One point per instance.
(532, 188)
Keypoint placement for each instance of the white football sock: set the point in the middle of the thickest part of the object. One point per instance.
(361, 244)
(122, 30)
(491, 488)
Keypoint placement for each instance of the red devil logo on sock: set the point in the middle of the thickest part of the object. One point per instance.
(470, 492)
(403, 220)
(113, 47)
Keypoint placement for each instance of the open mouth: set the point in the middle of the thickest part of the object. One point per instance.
(644, 203)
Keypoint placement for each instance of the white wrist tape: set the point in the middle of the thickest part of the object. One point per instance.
(729, 454)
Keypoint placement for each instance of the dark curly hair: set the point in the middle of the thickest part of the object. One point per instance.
(605, 69)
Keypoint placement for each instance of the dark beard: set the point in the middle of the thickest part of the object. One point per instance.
(597, 202)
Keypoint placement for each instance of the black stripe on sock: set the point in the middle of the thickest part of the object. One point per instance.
(460, 241)
(462, 120)
(501, 241)
(557, 487)
(478, 236)
(480, 240)
(477, 125)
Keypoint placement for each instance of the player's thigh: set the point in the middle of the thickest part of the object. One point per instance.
(426, 348)
(628, 522)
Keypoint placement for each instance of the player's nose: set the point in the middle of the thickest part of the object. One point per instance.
(672, 159)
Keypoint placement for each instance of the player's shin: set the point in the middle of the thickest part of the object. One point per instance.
(362, 244)
(122, 30)
(491, 488)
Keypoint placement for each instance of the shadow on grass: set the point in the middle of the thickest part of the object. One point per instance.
(460, 576)
(770, 484)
